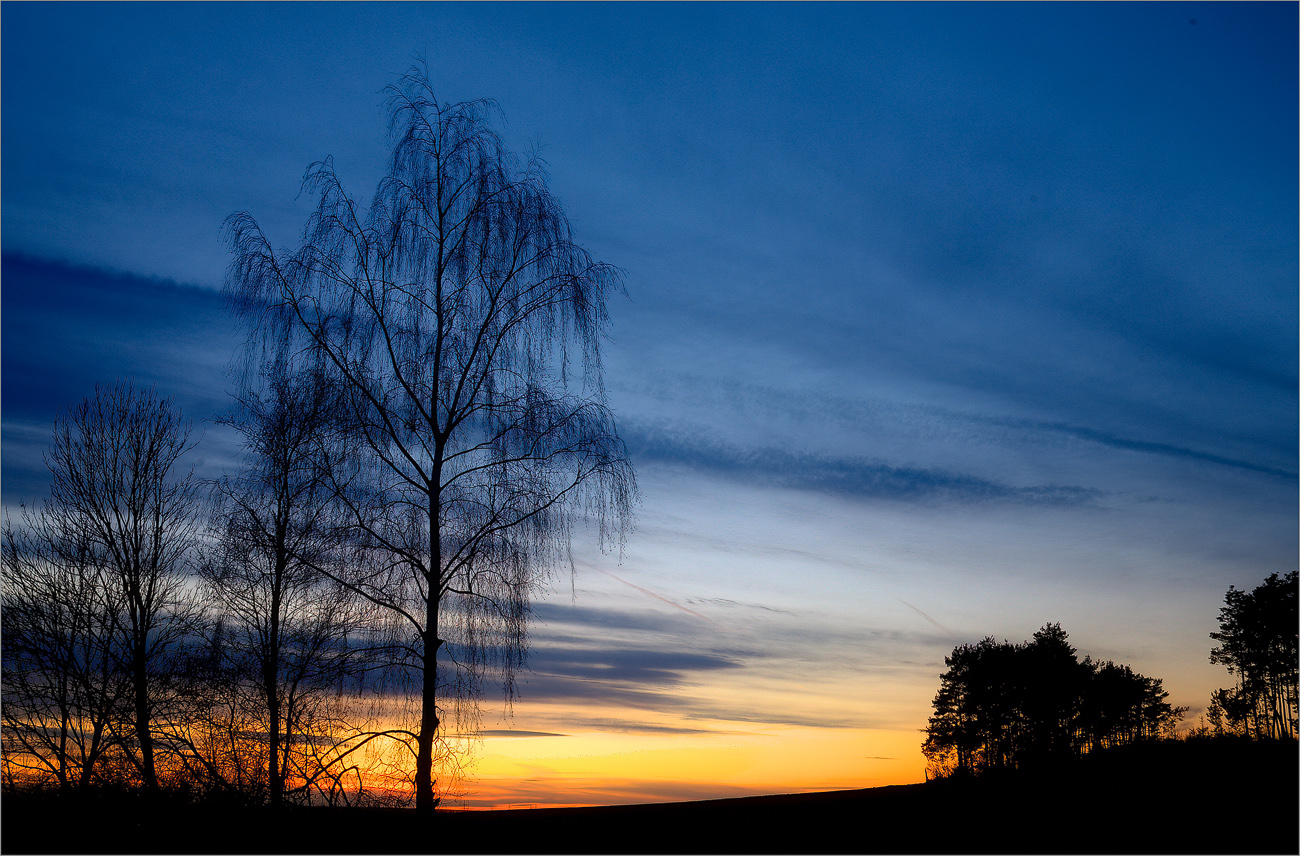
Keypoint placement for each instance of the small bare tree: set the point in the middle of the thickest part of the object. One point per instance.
(463, 325)
(289, 629)
(61, 687)
(115, 483)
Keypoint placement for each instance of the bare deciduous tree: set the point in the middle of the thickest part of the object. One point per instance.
(286, 624)
(115, 483)
(464, 325)
(61, 687)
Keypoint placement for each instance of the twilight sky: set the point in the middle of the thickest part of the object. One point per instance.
(944, 321)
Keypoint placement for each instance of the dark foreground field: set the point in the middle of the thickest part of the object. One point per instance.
(1165, 798)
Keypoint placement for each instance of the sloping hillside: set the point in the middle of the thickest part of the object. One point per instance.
(1177, 797)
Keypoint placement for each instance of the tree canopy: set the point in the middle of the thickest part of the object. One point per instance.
(1257, 636)
(1008, 705)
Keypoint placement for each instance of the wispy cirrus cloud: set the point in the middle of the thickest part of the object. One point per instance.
(1165, 449)
(848, 476)
(829, 417)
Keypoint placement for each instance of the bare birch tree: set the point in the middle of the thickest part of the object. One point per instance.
(465, 326)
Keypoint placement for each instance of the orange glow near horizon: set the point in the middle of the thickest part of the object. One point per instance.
(716, 760)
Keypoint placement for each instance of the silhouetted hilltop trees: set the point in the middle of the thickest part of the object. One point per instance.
(1009, 705)
(1258, 636)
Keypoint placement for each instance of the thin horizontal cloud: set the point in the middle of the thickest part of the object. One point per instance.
(506, 732)
(644, 667)
(853, 477)
(1167, 449)
(542, 789)
(576, 720)
(824, 413)
(652, 594)
(845, 719)
(729, 603)
(543, 686)
(641, 678)
(547, 613)
(646, 670)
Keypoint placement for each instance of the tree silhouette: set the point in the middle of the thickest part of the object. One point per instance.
(462, 325)
(61, 687)
(1005, 705)
(1122, 706)
(107, 558)
(287, 631)
(1258, 643)
(1053, 684)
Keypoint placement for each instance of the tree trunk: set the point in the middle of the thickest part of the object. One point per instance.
(92, 755)
(271, 667)
(425, 799)
(143, 733)
(274, 765)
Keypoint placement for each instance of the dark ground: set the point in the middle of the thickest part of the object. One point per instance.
(1181, 797)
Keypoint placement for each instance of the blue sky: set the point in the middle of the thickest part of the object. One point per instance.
(943, 320)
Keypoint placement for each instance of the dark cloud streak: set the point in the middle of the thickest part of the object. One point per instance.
(1166, 449)
(853, 477)
(66, 328)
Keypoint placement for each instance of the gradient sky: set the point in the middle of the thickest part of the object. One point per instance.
(944, 321)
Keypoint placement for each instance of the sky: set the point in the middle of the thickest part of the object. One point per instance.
(943, 321)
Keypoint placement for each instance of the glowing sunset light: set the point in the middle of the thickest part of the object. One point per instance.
(605, 769)
(942, 322)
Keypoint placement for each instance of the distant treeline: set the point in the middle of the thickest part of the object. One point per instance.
(1004, 705)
